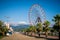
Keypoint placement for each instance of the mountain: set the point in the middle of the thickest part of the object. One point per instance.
(19, 27)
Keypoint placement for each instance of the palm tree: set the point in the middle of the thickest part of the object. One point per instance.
(39, 28)
(52, 31)
(46, 24)
(3, 28)
(57, 23)
(32, 29)
(1, 23)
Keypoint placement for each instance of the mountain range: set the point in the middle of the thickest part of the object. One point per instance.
(19, 27)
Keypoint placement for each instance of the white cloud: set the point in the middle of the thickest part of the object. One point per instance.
(22, 22)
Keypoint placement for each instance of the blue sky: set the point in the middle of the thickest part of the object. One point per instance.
(18, 10)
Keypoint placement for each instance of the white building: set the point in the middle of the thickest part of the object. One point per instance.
(8, 27)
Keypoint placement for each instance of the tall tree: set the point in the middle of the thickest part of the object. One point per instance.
(39, 28)
(46, 24)
(3, 28)
(1, 23)
(57, 23)
(32, 29)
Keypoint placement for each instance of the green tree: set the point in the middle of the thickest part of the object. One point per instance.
(32, 29)
(3, 28)
(46, 24)
(57, 23)
(39, 28)
(52, 31)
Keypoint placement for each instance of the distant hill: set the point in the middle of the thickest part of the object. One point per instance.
(19, 27)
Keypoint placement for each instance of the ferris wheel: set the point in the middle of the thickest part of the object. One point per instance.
(36, 14)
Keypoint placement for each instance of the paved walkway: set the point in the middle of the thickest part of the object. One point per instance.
(19, 36)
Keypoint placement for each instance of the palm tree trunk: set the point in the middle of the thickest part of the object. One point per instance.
(3, 33)
(59, 34)
(46, 34)
(31, 33)
(59, 28)
(39, 34)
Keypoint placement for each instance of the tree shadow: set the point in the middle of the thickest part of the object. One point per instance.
(39, 37)
(46, 38)
(51, 39)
